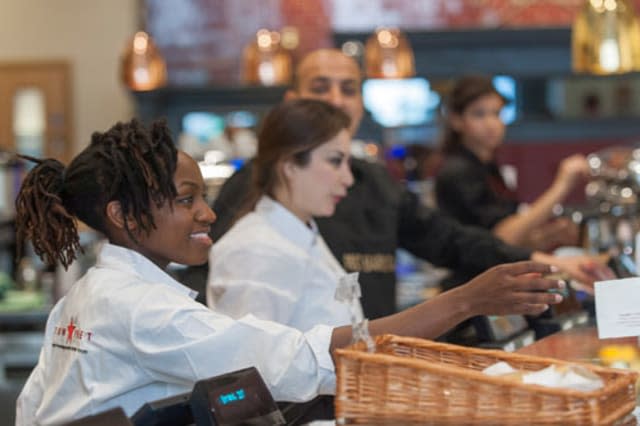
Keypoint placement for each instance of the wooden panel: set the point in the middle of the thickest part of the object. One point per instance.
(6, 122)
(53, 79)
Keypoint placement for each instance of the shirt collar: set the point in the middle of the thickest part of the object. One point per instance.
(124, 259)
(287, 223)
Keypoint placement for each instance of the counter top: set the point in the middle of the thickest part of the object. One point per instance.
(576, 344)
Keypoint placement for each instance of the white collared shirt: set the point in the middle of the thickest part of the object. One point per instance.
(127, 333)
(272, 265)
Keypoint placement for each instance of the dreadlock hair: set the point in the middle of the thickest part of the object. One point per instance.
(290, 131)
(128, 163)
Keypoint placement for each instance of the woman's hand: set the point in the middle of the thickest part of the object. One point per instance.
(572, 170)
(555, 233)
(514, 288)
(585, 269)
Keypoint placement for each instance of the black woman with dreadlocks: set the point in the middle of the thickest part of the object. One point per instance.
(126, 333)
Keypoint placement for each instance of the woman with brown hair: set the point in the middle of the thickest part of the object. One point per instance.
(470, 187)
(273, 263)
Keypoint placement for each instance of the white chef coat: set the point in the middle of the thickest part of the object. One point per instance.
(127, 333)
(274, 266)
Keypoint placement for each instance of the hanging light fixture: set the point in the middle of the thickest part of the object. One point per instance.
(388, 54)
(606, 38)
(143, 68)
(265, 61)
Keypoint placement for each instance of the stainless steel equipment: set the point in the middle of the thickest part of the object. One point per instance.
(611, 217)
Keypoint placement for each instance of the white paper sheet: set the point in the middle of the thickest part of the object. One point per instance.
(618, 308)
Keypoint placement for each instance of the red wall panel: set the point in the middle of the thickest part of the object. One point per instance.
(537, 163)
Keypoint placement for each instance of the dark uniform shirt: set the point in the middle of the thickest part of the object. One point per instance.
(378, 216)
(473, 192)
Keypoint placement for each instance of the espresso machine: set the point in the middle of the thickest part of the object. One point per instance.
(610, 228)
(610, 220)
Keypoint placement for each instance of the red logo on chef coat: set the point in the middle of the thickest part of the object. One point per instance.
(72, 333)
(70, 329)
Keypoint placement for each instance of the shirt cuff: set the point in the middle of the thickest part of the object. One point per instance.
(319, 339)
(519, 253)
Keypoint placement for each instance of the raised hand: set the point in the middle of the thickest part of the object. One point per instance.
(555, 233)
(584, 269)
(572, 170)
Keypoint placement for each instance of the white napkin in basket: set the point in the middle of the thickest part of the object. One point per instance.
(571, 377)
(499, 369)
(567, 377)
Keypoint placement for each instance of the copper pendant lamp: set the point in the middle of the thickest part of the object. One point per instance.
(265, 61)
(143, 67)
(388, 54)
(606, 38)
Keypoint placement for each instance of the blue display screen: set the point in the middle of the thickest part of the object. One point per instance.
(506, 86)
(400, 102)
(236, 398)
(231, 397)
(412, 101)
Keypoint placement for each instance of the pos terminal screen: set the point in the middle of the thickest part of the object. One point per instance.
(240, 395)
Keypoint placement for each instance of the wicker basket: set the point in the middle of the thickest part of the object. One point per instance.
(412, 380)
